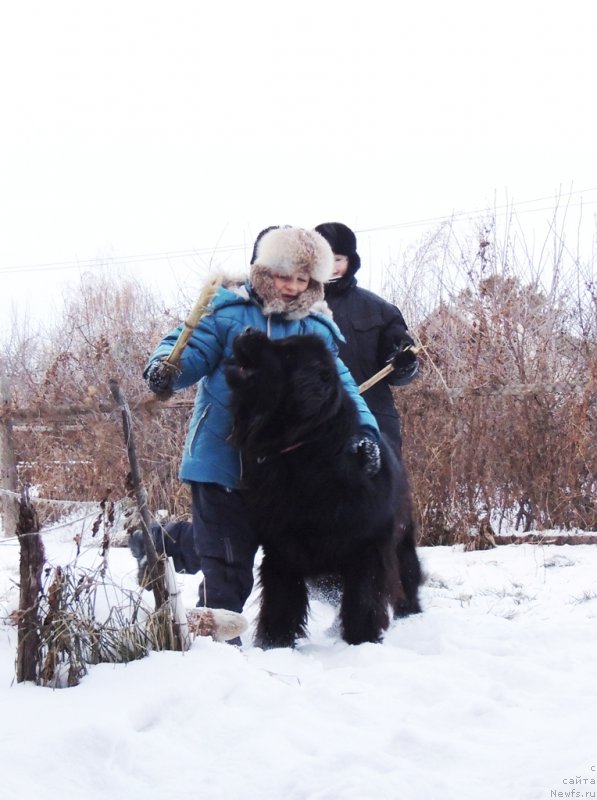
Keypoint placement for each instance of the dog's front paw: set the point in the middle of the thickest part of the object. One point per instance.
(267, 641)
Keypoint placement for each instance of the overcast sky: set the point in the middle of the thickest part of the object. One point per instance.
(183, 126)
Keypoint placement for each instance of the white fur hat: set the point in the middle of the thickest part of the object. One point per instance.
(286, 250)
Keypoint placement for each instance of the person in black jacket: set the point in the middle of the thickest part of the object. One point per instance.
(375, 331)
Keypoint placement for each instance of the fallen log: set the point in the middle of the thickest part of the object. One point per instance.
(548, 538)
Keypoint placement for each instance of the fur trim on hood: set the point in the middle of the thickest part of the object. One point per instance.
(284, 251)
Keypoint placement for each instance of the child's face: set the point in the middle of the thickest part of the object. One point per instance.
(291, 286)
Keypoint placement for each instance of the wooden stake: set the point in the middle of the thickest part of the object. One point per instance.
(154, 564)
(31, 565)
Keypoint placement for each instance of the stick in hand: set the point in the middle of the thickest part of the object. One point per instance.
(162, 373)
(383, 372)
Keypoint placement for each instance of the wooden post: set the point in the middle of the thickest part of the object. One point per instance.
(8, 465)
(31, 566)
(155, 565)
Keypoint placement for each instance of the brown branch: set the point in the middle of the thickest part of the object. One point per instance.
(202, 308)
(157, 580)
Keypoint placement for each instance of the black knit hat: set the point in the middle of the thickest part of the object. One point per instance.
(342, 241)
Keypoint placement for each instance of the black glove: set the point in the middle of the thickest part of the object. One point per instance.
(405, 362)
(367, 449)
(160, 377)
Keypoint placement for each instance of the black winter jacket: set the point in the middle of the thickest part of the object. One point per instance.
(373, 329)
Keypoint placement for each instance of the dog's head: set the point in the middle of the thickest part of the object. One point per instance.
(283, 390)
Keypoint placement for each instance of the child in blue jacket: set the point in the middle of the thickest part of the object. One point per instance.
(283, 297)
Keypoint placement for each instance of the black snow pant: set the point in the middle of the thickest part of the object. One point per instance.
(390, 426)
(219, 542)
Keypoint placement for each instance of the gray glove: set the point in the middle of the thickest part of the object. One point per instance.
(160, 377)
(367, 449)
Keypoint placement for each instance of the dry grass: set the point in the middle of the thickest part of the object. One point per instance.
(85, 619)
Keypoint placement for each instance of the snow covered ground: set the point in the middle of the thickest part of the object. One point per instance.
(490, 693)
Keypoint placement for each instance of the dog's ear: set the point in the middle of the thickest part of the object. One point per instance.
(250, 342)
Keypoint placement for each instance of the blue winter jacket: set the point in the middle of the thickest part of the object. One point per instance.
(208, 456)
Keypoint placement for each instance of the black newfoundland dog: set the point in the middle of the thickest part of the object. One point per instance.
(316, 511)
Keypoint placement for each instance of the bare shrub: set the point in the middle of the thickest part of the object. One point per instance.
(502, 423)
(108, 329)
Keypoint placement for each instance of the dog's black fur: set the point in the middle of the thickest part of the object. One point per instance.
(315, 510)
